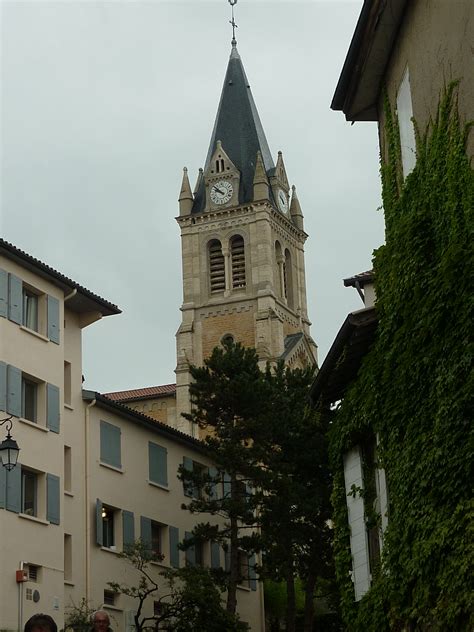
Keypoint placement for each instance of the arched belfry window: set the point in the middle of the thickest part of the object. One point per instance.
(216, 267)
(237, 253)
(280, 270)
(288, 275)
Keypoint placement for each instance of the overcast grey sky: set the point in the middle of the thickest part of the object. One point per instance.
(103, 103)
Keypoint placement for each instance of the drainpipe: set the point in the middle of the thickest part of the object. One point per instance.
(70, 295)
(86, 498)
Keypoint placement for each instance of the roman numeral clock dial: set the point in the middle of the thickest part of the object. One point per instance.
(221, 192)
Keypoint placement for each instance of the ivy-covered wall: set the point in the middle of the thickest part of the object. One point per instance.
(414, 389)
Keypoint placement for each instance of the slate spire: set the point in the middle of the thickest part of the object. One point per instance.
(238, 127)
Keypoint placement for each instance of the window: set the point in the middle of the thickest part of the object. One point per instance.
(152, 534)
(33, 573)
(228, 339)
(29, 492)
(108, 527)
(109, 598)
(194, 488)
(157, 609)
(30, 309)
(67, 469)
(156, 538)
(216, 267)
(67, 557)
(405, 123)
(157, 464)
(194, 554)
(29, 396)
(243, 569)
(110, 448)
(67, 383)
(237, 251)
(288, 276)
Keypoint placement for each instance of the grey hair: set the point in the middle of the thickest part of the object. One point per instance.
(101, 612)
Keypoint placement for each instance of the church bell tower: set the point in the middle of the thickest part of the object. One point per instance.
(242, 237)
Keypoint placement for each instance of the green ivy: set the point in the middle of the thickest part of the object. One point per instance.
(413, 390)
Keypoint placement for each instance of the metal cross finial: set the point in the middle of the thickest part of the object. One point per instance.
(234, 25)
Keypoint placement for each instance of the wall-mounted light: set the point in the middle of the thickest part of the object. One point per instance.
(9, 447)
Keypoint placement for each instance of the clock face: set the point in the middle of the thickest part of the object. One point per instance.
(282, 201)
(221, 192)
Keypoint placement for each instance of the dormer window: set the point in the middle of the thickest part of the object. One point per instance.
(220, 165)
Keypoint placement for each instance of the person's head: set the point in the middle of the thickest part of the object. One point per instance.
(40, 623)
(100, 621)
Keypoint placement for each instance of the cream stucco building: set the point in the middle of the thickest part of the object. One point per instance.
(92, 475)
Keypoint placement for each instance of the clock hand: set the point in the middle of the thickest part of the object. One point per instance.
(219, 190)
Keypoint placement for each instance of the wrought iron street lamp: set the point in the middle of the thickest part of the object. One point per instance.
(9, 447)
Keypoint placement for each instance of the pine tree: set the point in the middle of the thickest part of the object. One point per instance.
(229, 396)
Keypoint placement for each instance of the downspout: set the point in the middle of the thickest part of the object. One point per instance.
(86, 499)
(70, 295)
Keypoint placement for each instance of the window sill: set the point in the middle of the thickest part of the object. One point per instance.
(115, 608)
(67, 582)
(33, 424)
(163, 487)
(68, 406)
(111, 467)
(68, 493)
(107, 549)
(34, 333)
(245, 588)
(33, 518)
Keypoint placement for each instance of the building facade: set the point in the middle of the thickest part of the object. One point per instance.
(93, 475)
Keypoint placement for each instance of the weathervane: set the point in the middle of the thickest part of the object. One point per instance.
(234, 25)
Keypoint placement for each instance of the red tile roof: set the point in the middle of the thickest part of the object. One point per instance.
(149, 392)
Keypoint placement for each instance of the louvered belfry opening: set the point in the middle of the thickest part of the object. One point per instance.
(216, 267)
(238, 262)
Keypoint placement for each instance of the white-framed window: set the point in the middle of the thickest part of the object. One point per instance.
(30, 309)
(405, 123)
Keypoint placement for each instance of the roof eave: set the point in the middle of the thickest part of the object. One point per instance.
(343, 370)
(82, 301)
(361, 78)
(136, 417)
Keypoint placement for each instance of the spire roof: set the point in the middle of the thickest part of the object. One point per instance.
(239, 129)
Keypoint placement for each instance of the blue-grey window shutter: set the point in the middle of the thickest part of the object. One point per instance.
(252, 572)
(213, 485)
(52, 407)
(15, 299)
(13, 492)
(215, 555)
(145, 532)
(227, 485)
(53, 319)
(110, 451)
(3, 293)
(13, 391)
(3, 486)
(52, 499)
(128, 520)
(158, 464)
(190, 553)
(3, 386)
(187, 485)
(174, 551)
(99, 529)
